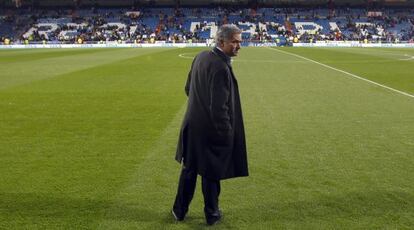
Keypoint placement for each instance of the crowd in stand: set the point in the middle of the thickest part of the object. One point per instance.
(174, 27)
(379, 29)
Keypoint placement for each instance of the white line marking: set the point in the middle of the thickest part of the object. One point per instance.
(183, 55)
(342, 71)
(407, 59)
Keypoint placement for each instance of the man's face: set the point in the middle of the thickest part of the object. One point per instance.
(231, 47)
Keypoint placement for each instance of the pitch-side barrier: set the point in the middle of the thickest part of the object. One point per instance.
(354, 44)
(185, 45)
(105, 45)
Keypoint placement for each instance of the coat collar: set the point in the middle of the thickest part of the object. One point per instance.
(220, 53)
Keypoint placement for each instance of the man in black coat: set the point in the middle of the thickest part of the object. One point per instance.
(212, 142)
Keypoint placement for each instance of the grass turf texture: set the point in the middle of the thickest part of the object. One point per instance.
(87, 140)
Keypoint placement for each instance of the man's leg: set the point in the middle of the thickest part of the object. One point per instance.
(211, 192)
(185, 192)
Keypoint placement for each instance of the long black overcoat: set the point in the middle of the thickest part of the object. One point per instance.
(212, 140)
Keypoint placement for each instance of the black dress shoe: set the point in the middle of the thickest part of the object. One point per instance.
(177, 217)
(213, 218)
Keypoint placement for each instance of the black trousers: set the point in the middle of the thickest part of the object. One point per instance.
(186, 188)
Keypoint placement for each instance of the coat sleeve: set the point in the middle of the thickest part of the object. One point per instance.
(187, 84)
(219, 102)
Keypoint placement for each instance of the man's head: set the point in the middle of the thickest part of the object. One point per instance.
(228, 38)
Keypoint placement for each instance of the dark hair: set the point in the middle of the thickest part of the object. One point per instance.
(226, 32)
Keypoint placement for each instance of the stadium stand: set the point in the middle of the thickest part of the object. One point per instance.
(177, 25)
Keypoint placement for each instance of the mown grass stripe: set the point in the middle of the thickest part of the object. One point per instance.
(13, 74)
(147, 196)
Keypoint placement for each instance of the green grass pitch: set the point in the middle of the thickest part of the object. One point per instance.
(88, 137)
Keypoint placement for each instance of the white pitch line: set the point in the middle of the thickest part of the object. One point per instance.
(407, 59)
(342, 71)
(183, 55)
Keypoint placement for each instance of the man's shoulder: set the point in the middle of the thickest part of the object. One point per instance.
(208, 56)
(205, 54)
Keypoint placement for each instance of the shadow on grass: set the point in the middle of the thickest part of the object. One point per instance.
(41, 208)
(377, 206)
(28, 209)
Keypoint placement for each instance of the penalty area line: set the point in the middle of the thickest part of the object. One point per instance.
(345, 72)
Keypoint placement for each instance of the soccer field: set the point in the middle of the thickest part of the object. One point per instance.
(88, 138)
